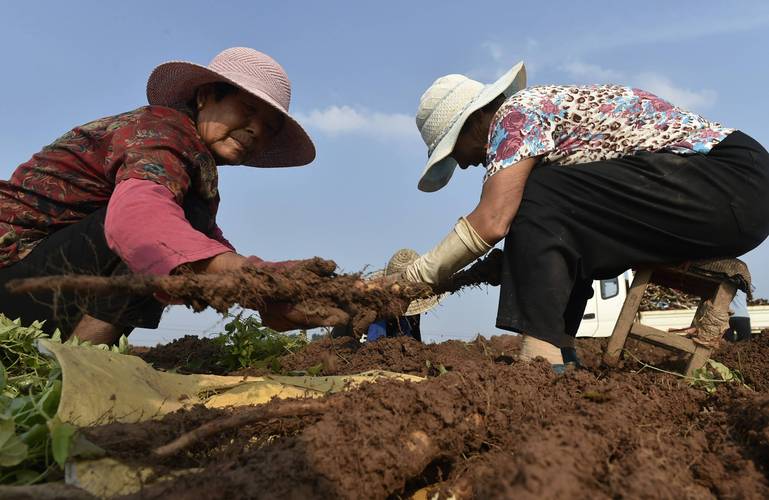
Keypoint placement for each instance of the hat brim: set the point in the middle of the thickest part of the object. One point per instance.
(175, 83)
(440, 165)
(417, 306)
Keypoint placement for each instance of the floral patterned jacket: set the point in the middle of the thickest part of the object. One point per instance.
(567, 125)
(76, 174)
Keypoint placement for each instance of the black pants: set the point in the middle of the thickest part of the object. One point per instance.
(80, 248)
(739, 329)
(595, 220)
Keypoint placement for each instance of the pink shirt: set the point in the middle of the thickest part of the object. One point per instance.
(147, 228)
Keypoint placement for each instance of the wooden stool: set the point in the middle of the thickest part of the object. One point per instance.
(715, 281)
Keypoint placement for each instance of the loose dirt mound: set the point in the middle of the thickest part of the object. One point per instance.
(751, 359)
(483, 426)
(345, 355)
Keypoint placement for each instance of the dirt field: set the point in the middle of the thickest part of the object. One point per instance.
(482, 426)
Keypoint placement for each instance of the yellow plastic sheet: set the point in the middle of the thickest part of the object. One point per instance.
(100, 387)
(109, 478)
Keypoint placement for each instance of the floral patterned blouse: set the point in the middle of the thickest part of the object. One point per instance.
(568, 125)
(76, 174)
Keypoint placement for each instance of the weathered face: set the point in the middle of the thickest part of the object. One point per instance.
(470, 148)
(236, 126)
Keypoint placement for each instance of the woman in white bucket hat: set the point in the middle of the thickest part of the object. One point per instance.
(137, 192)
(582, 183)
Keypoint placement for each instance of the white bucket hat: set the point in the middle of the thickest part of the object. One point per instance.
(175, 82)
(443, 110)
(397, 264)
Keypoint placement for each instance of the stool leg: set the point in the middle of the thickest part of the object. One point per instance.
(720, 299)
(627, 316)
(723, 296)
(699, 358)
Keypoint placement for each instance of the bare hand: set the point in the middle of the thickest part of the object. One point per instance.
(282, 316)
(227, 261)
(283, 265)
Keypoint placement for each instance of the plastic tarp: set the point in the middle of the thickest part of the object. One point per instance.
(100, 387)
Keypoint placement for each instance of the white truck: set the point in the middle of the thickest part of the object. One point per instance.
(603, 309)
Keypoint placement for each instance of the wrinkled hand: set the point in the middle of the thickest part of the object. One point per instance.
(283, 265)
(274, 315)
(283, 316)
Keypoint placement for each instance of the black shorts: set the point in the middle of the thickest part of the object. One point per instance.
(739, 329)
(584, 222)
(79, 248)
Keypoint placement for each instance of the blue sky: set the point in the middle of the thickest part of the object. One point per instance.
(358, 69)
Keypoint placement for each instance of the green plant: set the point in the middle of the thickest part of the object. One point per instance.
(34, 444)
(713, 373)
(437, 367)
(246, 342)
(706, 378)
(30, 388)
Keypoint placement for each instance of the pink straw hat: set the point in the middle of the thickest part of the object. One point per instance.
(175, 82)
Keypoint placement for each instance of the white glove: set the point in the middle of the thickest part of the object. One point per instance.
(459, 248)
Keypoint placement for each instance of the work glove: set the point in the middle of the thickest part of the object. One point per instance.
(459, 248)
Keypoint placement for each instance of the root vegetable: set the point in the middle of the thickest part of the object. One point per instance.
(245, 417)
(319, 296)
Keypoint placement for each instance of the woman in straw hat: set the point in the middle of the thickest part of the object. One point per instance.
(137, 192)
(583, 182)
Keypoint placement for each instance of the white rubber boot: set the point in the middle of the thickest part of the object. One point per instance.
(534, 348)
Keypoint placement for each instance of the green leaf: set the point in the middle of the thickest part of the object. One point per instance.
(49, 402)
(722, 370)
(7, 429)
(83, 448)
(6, 329)
(122, 345)
(13, 450)
(26, 476)
(3, 377)
(314, 371)
(62, 435)
(35, 435)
